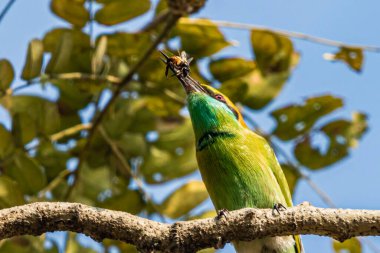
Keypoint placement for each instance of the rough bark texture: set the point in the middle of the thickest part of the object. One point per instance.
(187, 236)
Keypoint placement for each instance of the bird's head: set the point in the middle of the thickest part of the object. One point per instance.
(210, 110)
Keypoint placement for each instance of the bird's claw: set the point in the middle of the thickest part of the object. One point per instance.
(222, 213)
(278, 207)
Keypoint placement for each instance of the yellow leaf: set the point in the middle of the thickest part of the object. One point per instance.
(33, 63)
(119, 11)
(184, 199)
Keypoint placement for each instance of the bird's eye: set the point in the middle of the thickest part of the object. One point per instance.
(220, 98)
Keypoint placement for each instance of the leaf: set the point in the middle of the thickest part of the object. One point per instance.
(273, 52)
(27, 173)
(294, 120)
(53, 160)
(24, 128)
(119, 11)
(172, 155)
(33, 63)
(204, 215)
(73, 11)
(36, 113)
(161, 7)
(92, 182)
(184, 199)
(52, 39)
(7, 74)
(352, 56)
(129, 201)
(71, 51)
(60, 59)
(10, 193)
(24, 244)
(7, 146)
(124, 44)
(228, 68)
(341, 135)
(73, 245)
(200, 38)
(292, 176)
(351, 245)
(256, 90)
(97, 59)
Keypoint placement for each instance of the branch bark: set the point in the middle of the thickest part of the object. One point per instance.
(187, 236)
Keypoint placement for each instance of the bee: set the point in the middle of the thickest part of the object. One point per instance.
(178, 64)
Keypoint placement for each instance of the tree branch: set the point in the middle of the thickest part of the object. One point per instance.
(188, 236)
(296, 35)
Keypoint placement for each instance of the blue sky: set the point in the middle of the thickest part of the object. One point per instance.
(353, 183)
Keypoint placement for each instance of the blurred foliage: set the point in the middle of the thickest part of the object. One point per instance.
(147, 137)
(349, 246)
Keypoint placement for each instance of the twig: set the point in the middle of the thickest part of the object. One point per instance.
(296, 35)
(128, 171)
(69, 131)
(188, 236)
(6, 9)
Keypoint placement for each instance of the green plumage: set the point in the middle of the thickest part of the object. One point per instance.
(238, 166)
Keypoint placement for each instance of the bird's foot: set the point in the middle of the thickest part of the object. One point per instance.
(222, 213)
(278, 207)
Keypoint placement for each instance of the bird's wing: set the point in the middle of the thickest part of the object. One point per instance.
(275, 167)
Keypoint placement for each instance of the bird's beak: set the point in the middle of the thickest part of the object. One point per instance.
(188, 83)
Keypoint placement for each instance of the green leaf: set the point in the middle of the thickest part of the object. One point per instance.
(7, 146)
(292, 176)
(52, 39)
(73, 246)
(294, 120)
(256, 90)
(124, 44)
(200, 38)
(161, 6)
(60, 59)
(53, 160)
(92, 182)
(7, 74)
(273, 52)
(23, 244)
(36, 113)
(10, 193)
(353, 57)
(184, 199)
(228, 68)
(71, 51)
(128, 201)
(204, 215)
(172, 155)
(24, 128)
(132, 145)
(33, 63)
(351, 245)
(119, 11)
(73, 11)
(97, 60)
(27, 173)
(341, 134)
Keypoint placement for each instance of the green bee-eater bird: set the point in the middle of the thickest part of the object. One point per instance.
(237, 165)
